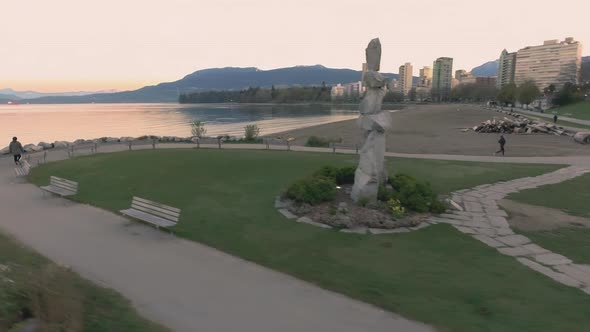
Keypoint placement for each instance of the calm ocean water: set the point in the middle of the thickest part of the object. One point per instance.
(36, 123)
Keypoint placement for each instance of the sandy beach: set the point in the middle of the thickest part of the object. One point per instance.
(436, 129)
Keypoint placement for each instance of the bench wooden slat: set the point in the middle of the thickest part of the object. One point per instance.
(23, 169)
(151, 212)
(148, 218)
(55, 178)
(142, 205)
(61, 187)
(154, 212)
(162, 206)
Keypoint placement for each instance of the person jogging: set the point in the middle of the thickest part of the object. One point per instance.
(502, 142)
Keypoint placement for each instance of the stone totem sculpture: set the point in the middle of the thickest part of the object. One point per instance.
(373, 122)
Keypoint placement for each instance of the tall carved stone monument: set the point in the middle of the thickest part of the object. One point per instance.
(373, 122)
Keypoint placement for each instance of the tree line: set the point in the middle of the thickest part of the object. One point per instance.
(525, 93)
(260, 95)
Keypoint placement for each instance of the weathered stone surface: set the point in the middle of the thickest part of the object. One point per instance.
(361, 230)
(575, 272)
(420, 226)
(377, 231)
(287, 214)
(552, 259)
(489, 241)
(307, 220)
(535, 249)
(516, 240)
(455, 205)
(466, 230)
(279, 204)
(499, 222)
(491, 232)
(515, 251)
(371, 171)
(504, 231)
(557, 276)
(586, 290)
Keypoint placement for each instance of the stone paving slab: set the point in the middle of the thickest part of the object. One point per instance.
(378, 231)
(465, 230)
(287, 214)
(489, 241)
(515, 251)
(559, 277)
(574, 272)
(515, 240)
(535, 249)
(308, 221)
(552, 259)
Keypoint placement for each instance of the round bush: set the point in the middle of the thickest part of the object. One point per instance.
(312, 190)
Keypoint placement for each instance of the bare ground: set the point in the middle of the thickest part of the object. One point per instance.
(436, 129)
(537, 218)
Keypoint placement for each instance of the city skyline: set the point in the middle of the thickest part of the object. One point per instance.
(66, 45)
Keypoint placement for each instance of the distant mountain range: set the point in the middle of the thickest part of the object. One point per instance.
(16, 95)
(491, 68)
(229, 78)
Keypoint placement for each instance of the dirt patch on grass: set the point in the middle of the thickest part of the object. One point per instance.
(537, 218)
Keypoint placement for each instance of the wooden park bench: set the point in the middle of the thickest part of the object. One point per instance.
(274, 141)
(342, 146)
(61, 187)
(157, 214)
(22, 169)
(209, 141)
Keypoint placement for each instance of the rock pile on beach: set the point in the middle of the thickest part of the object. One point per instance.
(103, 140)
(520, 125)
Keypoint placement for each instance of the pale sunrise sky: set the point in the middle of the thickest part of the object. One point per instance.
(67, 45)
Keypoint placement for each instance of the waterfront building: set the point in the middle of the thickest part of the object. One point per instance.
(406, 78)
(442, 78)
(554, 62)
(506, 69)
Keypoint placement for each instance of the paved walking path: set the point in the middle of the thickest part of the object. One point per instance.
(483, 219)
(181, 284)
(191, 287)
(550, 117)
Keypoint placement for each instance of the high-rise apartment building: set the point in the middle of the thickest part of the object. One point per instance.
(506, 69)
(406, 78)
(553, 62)
(425, 79)
(442, 78)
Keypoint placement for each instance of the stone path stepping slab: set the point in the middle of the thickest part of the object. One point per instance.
(491, 227)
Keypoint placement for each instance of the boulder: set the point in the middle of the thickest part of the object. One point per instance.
(111, 140)
(4, 150)
(582, 137)
(28, 147)
(60, 144)
(45, 145)
(79, 141)
(37, 148)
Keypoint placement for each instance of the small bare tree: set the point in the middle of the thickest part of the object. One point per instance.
(251, 132)
(198, 129)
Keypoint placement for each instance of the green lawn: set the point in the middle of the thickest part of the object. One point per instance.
(571, 242)
(579, 110)
(573, 197)
(436, 275)
(59, 296)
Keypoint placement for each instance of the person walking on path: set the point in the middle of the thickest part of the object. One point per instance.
(502, 142)
(16, 149)
(555, 119)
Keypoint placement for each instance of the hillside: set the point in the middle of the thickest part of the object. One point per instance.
(487, 69)
(229, 78)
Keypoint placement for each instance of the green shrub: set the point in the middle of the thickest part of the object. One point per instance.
(384, 194)
(363, 201)
(344, 175)
(413, 194)
(320, 142)
(438, 207)
(312, 190)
